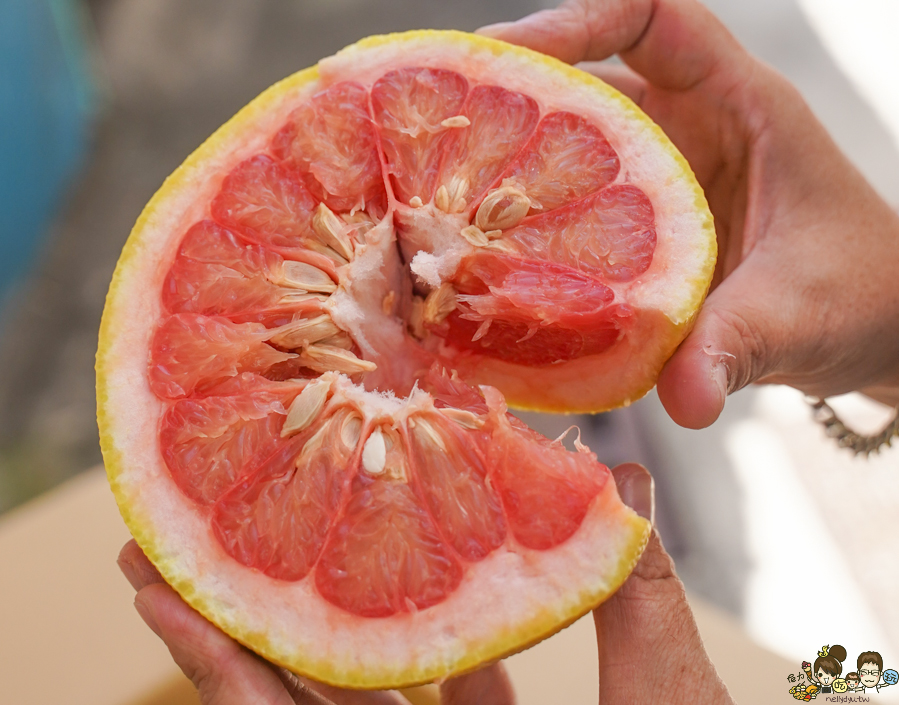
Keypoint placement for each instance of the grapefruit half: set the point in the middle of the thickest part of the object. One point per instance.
(317, 322)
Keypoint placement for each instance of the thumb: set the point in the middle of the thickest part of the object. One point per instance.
(649, 645)
(726, 350)
(673, 44)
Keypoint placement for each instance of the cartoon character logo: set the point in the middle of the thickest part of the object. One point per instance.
(825, 674)
(828, 667)
(870, 671)
(802, 690)
(805, 692)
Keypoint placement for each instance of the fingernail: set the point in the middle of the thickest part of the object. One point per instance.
(146, 614)
(637, 491)
(719, 377)
(493, 29)
(130, 573)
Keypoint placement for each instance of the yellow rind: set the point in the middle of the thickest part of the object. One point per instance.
(544, 623)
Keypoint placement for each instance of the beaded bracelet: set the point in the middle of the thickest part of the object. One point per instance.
(846, 437)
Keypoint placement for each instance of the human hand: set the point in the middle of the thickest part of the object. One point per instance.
(226, 673)
(649, 647)
(805, 292)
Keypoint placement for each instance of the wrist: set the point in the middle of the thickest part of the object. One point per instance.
(883, 393)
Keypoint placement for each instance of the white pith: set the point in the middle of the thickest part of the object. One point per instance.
(526, 593)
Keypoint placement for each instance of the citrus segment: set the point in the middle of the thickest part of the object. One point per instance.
(531, 312)
(500, 123)
(610, 234)
(261, 201)
(545, 489)
(191, 353)
(332, 143)
(277, 519)
(315, 297)
(410, 106)
(452, 473)
(224, 435)
(386, 556)
(218, 274)
(551, 171)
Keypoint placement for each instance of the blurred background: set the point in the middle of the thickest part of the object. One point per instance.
(101, 99)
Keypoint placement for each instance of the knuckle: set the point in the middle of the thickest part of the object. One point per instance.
(208, 684)
(205, 677)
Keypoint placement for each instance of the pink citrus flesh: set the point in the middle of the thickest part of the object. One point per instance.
(314, 328)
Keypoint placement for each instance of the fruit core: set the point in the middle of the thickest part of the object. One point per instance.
(311, 320)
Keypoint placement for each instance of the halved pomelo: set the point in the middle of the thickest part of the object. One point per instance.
(293, 339)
